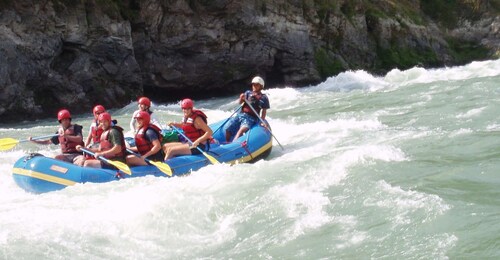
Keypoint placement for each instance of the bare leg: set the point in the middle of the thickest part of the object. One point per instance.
(133, 160)
(241, 131)
(92, 163)
(62, 157)
(79, 160)
(177, 149)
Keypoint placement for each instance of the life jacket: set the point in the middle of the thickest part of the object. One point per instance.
(105, 144)
(95, 132)
(144, 145)
(255, 102)
(68, 146)
(188, 127)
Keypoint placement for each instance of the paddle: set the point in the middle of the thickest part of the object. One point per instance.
(238, 108)
(9, 143)
(120, 165)
(264, 123)
(209, 157)
(163, 167)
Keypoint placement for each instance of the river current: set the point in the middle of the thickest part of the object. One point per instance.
(400, 166)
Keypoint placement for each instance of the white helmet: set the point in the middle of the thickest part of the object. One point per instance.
(258, 80)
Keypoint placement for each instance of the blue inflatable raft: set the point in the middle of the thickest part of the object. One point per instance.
(38, 174)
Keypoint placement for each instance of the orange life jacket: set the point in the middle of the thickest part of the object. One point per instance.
(106, 145)
(188, 127)
(144, 145)
(68, 146)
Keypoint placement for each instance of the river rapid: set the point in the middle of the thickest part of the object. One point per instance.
(404, 165)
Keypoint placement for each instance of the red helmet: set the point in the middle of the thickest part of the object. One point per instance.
(144, 101)
(98, 109)
(144, 116)
(187, 103)
(63, 114)
(104, 116)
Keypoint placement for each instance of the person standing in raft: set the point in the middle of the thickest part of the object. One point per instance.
(144, 105)
(147, 141)
(111, 144)
(239, 124)
(194, 125)
(69, 137)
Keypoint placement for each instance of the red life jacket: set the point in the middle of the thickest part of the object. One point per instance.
(106, 145)
(68, 146)
(254, 103)
(95, 132)
(188, 127)
(144, 145)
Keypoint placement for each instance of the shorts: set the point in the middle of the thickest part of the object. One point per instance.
(241, 120)
(195, 151)
(159, 156)
(70, 157)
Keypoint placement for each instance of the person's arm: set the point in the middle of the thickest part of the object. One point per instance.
(114, 138)
(132, 121)
(89, 137)
(156, 148)
(78, 137)
(116, 149)
(264, 105)
(40, 141)
(53, 140)
(263, 113)
(200, 124)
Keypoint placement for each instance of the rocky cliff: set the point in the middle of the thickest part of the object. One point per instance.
(77, 53)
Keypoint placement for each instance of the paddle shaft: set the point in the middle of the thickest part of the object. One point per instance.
(39, 137)
(209, 157)
(138, 155)
(262, 121)
(238, 108)
(187, 139)
(163, 167)
(120, 165)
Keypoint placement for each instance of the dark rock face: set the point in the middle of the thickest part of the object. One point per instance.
(75, 54)
(54, 56)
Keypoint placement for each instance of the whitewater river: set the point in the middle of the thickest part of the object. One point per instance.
(401, 166)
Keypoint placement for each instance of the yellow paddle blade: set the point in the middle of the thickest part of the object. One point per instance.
(121, 166)
(163, 167)
(7, 143)
(211, 158)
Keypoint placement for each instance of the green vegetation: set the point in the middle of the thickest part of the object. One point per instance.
(325, 8)
(448, 12)
(466, 51)
(325, 64)
(404, 58)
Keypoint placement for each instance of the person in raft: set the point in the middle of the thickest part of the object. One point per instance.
(111, 144)
(147, 141)
(194, 125)
(144, 105)
(239, 124)
(95, 131)
(68, 137)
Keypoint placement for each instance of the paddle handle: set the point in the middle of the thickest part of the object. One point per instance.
(238, 108)
(93, 154)
(39, 137)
